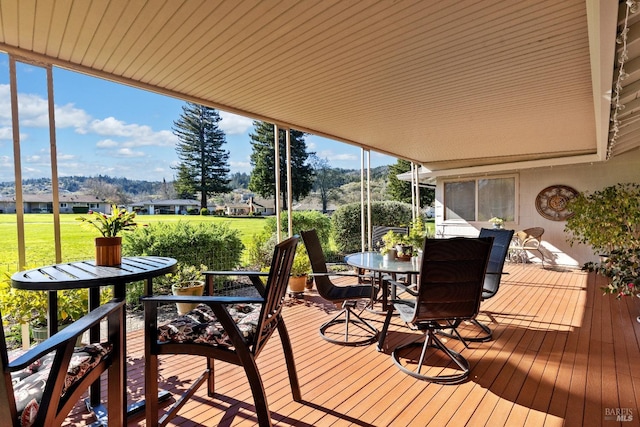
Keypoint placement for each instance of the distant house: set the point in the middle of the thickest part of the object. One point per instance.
(171, 207)
(251, 206)
(43, 203)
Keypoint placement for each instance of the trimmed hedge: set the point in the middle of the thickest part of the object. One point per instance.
(346, 222)
(217, 246)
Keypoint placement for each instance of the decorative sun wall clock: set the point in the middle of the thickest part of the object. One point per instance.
(551, 202)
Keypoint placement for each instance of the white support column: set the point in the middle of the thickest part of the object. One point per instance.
(362, 217)
(276, 149)
(17, 165)
(413, 192)
(54, 167)
(369, 237)
(289, 185)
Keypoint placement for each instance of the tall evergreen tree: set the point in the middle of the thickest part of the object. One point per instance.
(263, 161)
(401, 190)
(204, 165)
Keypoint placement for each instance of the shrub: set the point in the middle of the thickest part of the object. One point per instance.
(204, 211)
(260, 250)
(346, 221)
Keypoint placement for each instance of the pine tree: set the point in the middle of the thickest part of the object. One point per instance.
(262, 179)
(204, 165)
(401, 190)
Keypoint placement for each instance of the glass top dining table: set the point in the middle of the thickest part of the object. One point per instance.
(380, 265)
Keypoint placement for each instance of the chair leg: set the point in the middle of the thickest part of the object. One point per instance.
(484, 336)
(385, 328)
(349, 317)
(289, 359)
(432, 341)
(257, 389)
(151, 389)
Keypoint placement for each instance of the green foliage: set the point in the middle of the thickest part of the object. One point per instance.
(183, 277)
(262, 179)
(260, 248)
(390, 240)
(401, 190)
(607, 220)
(326, 181)
(204, 211)
(346, 222)
(216, 245)
(301, 265)
(110, 225)
(204, 165)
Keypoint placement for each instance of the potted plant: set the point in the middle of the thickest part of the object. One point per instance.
(300, 270)
(109, 246)
(389, 242)
(609, 221)
(186, 280)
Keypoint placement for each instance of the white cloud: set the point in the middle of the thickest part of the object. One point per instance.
(127, 152)
(107, 143)
(233, 124)
(62, 157)
(33, 159)
(240, 166)
(6, 133)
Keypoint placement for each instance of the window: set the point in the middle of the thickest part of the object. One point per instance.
(63, 205)
(480, 199)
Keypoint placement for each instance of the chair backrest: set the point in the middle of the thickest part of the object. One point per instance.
(318, 262)
(451, 278)
(499, 249)
(275, 290)
(378, 231)
(530, 233)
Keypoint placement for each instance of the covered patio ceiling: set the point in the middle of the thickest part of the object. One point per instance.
(457, 86)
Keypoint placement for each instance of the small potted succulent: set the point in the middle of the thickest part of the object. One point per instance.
(300, 270)
(186, 280)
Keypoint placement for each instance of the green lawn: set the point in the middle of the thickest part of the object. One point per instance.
(77, 241)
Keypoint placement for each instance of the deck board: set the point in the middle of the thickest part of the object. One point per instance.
(562, 354)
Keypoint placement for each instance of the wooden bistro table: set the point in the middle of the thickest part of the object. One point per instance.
(377, 263)
(85, 274)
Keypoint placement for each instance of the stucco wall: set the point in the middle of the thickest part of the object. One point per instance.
(584, 177)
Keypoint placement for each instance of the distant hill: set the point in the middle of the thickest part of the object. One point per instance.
(137, 189)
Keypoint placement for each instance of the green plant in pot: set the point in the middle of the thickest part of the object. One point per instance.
(609, 221)
(186, 280)
(390, 241)
(300, 270)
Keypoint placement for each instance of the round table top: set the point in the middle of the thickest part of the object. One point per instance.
(377, 262)
(85, 274)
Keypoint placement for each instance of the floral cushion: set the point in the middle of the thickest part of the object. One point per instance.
(29, 383)
(201, 326)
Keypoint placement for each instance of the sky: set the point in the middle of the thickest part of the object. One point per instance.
(105, 128)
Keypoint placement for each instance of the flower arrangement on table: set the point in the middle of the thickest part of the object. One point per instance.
(110, 225)
(497, 221)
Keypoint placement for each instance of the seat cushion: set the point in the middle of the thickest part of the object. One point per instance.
(29, 383)
(200, 325)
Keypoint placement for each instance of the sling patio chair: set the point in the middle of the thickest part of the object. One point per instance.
(529, 239)
(495, 270)
(230, 329)
(41, 386)
(449, 292)
(346, 295)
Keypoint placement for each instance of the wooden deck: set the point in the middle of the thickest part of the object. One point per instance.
(562, 354)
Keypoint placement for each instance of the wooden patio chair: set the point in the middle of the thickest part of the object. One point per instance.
(346, 295)
(449, 292)
(33, 390)
(230, 329)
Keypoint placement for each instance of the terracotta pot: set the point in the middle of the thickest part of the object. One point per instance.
(108, 251)
(297, 284)
(192, 289)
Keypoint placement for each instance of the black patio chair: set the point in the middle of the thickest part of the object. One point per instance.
(41, 386)
(495, 271)
(347, 296)
(230, 329)
(449, 292)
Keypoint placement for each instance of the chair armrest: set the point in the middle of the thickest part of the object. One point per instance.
(66, 335)
(203, 299)
(409, 289)
(236, 273)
